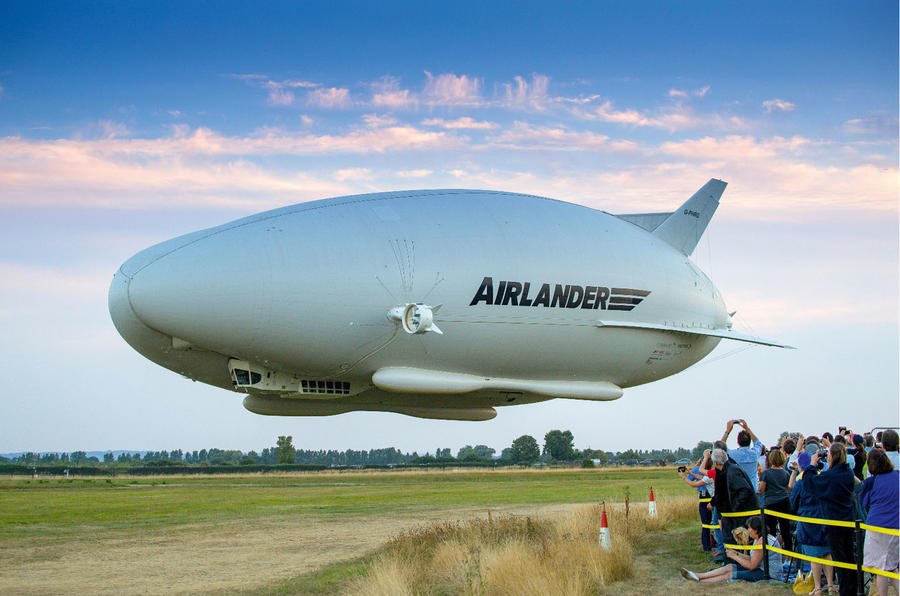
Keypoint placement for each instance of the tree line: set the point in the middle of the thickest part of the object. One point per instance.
(558, 446)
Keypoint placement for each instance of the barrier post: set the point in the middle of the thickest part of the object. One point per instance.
(765, 541)
(860, 580)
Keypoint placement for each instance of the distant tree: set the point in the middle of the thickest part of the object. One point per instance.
(286, 451)
(108, 457)
(269, 456)
(78, 457)
(507, 454)
(524, 450)
(443, 453)
(559, 445)
(484, 452)
(465, 451)
(176, 455)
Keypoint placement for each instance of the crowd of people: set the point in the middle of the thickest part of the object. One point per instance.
(844, 477)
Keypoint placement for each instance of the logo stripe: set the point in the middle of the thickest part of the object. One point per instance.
(629, 292)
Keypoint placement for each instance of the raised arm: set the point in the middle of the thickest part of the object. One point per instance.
(728, 428)
(747, 428)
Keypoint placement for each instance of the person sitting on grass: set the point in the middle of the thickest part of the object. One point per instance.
(745, 567)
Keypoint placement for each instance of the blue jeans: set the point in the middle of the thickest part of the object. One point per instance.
(738, 572)
(717, 531)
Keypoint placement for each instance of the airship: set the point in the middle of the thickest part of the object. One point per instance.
(440, 304)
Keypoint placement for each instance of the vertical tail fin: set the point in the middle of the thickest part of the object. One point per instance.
(686, 225)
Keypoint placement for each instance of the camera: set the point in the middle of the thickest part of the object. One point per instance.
(823, 454)
(682, 469)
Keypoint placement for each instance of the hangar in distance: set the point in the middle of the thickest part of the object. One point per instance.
(431, 303)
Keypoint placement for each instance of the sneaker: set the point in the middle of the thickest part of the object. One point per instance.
(689, 574)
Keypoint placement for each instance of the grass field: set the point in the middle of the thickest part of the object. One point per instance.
(262, 532)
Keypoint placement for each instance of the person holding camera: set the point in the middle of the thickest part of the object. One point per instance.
(705, 485)
(748, 451)
(858, 451)
(812, 537)
(834, 489)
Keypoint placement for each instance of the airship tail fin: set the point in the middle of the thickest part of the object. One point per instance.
(684, 227)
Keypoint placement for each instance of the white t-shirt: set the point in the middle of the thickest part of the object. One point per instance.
(894, 456)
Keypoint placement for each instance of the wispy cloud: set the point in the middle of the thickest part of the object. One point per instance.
(279, 92)
(332, 97)
(879, 124)
(453, 90)
(413, 173)
(672, 119)
(781, 105)
(522, 94)
(353, 174)
(465, 122)
(524, 136)
(191, 167)
(388, 94)
(701, 92)
(110, 129)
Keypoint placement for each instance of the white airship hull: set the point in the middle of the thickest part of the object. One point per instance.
(524, 299)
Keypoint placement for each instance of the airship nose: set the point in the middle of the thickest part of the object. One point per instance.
(143, 304)
(203, 290)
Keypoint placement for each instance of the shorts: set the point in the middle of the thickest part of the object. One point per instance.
(747, 575)
(881, 551)
(813, 550)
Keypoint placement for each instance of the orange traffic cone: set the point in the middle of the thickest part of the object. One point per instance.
(604, 531)
(652, 507)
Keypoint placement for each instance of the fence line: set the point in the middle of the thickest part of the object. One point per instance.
(809, 520)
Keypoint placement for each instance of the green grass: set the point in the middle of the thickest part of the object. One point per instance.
(60, 508)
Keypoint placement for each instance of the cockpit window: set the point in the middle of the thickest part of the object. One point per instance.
(246, 377)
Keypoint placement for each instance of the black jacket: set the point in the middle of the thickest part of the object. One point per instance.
(736, 490)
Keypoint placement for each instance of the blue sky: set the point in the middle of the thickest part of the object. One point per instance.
(124, 124)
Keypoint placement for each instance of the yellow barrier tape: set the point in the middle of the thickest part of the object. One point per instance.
(711, 527)
(833, 563)
(880, 530)
(890, 574)
(739, 513)
(812, 520)
(748, 547)
(828, 562)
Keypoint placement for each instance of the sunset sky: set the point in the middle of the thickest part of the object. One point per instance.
(123, 124)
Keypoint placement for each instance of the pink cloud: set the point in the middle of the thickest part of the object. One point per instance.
(388, 94)
(778, 104)
(465, 122)
(449, 89)
(524, 95)
(331, 97)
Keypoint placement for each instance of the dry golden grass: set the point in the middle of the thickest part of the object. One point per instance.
(515, 555)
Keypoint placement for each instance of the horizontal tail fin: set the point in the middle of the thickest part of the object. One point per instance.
(686, 225)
